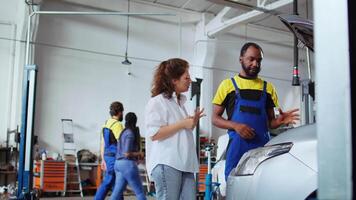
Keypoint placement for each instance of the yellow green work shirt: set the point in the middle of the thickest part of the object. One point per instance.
(249, 89)
(115, 126)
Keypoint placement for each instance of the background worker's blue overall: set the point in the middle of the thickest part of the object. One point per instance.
(252, 113)
(110, 149)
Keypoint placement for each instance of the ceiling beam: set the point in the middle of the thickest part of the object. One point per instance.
(218, 24)
(218, 18)
(209, 7)
(261, 3)
(185, 4)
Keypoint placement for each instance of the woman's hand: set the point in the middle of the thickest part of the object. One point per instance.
(191, 121)
(187, 123)
(140, 155)
(198, 114)
(137, 155)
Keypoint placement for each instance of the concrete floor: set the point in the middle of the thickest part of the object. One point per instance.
(126, 197)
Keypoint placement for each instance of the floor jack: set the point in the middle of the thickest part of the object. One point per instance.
(211, 188)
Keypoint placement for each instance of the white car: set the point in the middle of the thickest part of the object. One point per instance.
(286, 167)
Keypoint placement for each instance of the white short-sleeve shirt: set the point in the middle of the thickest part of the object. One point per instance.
(177, 151)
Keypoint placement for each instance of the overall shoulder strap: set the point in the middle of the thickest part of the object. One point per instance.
(264, 92)
(237, 90)
(264, 86)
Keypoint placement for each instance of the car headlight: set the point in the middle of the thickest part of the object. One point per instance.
(253, 158)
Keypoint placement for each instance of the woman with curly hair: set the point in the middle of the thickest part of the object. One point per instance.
(170, 151)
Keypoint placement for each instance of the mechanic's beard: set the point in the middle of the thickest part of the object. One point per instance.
(249, 72)
(121, 118)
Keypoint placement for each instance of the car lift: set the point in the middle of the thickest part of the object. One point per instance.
(211, 188)
(25, 174)
(195, 90)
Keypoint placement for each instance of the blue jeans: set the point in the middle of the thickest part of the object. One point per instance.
(127, 173)
(109, 178)
(172, 184)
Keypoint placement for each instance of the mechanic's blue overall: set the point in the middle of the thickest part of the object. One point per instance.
(109, 156)
(254, 114)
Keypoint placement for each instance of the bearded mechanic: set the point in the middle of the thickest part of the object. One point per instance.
(249, 102)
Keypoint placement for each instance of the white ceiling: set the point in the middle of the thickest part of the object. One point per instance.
(212, 7)
(192, 5)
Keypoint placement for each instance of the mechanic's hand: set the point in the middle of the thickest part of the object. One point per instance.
(288, 117)
(103, 165)
(245, 131)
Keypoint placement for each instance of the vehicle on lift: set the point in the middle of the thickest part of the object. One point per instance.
(286, 167)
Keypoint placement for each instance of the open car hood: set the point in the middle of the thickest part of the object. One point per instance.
(300, 27)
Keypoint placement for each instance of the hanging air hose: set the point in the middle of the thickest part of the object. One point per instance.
(295, 81)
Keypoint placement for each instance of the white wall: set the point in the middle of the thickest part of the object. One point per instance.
(11, 25)
(80, 71)
(5, 75)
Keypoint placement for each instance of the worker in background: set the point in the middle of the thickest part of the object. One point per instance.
(170, 151)
(128, 153)
(110, 133)
(249, 102)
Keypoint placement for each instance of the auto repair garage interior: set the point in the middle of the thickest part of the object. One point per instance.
(63, 62)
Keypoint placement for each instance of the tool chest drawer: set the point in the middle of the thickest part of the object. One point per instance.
(50, 176)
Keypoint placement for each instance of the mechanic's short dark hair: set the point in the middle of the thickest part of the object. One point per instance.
(115, 108)
(247, 45)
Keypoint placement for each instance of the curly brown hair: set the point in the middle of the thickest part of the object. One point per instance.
(167, 71)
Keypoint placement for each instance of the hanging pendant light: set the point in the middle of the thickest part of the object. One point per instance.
(126, 61)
